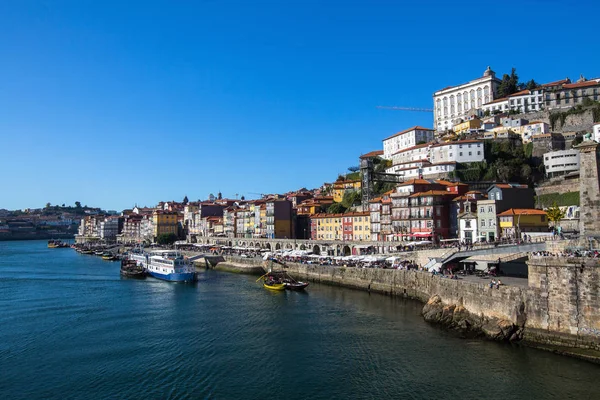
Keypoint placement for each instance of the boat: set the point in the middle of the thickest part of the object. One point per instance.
(131, 269)
(168, 265)
(296, 285)
(109, 257)
(57, 244)
(282, 277)
(273, 285)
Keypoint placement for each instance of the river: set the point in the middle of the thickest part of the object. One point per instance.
(70, 327)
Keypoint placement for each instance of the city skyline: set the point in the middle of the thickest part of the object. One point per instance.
(118, 104)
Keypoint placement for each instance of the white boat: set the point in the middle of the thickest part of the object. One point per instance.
(168, 265)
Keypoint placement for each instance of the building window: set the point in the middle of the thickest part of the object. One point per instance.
(460, 154)
(483, 222)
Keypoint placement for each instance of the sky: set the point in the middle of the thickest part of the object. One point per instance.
(117, 103)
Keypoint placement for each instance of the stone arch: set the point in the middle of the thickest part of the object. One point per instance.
(268, 246)
(346, 251)
(288, 246)
(251, 244)
(278, 246)
(229, 243)
(302, 247)
(316, 249)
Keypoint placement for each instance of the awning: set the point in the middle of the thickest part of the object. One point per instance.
(422, 234)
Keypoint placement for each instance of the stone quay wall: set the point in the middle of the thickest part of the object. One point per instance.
(559, 310)
(563, 302)
(477, 298)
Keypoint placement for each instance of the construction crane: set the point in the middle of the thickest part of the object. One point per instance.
(406, 108)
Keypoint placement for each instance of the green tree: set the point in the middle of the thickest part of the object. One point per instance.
(351, 198)
(509, 84)
(48, 205)
(531, 85)
(166, 238)
(555, 214)
(185, 200)
(353, 168)
(77, 204)
(526, 172)
(336, 208)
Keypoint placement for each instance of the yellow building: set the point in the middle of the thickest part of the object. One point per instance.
(467, 126)
(361, 225)
(341, 187)
(164, 222)
(326, 226)
(516, 221)
(262, 230)
(315, 205)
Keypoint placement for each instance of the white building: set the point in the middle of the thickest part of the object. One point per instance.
(109, 228)
(147, 228)
(456, 103)
(496, 106)
(467, 227)
(464, 151)
(561, 162)
(533, 128)
(411, 154)
(596, 132)
(527, 100)
(406, 139)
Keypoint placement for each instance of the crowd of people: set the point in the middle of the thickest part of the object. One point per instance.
(567, 254)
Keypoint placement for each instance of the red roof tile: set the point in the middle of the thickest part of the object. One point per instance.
(522, 211)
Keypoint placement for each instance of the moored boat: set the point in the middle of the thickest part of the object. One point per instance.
(131, 269)
(296, 285)
(167, 265)
(274, 285)
(109, 257)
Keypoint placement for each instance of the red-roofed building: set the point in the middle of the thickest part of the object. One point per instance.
(372, 154)
(516, 221)
(565, 94)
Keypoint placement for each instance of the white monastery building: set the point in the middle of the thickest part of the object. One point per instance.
(455, 103)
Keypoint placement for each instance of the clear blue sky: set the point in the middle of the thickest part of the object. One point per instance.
(113, 103)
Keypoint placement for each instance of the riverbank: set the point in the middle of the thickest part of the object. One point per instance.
(519, 314)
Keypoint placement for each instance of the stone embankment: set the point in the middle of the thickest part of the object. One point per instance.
(238, 265)
(559, 311)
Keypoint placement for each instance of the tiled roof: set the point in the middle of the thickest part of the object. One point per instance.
(581, 84)
(374, 153)
(414, 128)
(415, 181)
(521, 93)
(415, 161)
(556, 83)
(497, 101)
(457, 142)
(510, 186)
(522, 211)
(448, 183)
(413, 148)
(431, 193)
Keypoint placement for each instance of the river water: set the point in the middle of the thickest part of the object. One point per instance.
(70, 327)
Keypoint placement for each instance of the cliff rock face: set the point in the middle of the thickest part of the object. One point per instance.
(458, 318)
